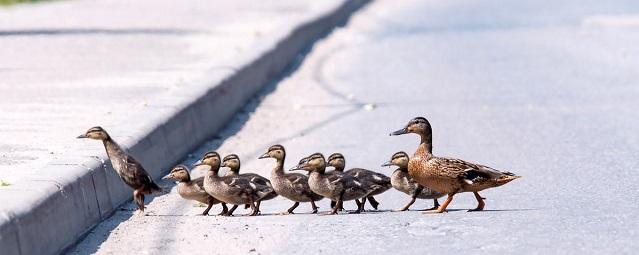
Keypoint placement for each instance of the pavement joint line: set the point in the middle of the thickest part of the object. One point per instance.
(37, 226)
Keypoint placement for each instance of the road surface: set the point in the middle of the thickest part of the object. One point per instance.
(545, 90)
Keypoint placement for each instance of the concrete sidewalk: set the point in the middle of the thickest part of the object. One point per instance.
(70, 65)
(160, 76)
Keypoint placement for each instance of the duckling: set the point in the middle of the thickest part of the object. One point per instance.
(193, 189)
(232, 161)
(130, 170)
(338, 187)
(367, 177)
(236, 190)
(402, 182)
(449, 175)
(293, 186)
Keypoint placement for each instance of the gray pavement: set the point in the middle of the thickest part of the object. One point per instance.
(545, 90)
(70, 65)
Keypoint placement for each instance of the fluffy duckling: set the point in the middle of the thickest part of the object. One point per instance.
(367, 177)
(193, 189)
(337, 186)
(236, 190)
(448, 175)
(402, 182)
(232, 161)
(129, 169)
(293, 186)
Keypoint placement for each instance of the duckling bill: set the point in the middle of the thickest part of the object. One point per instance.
(128, 168)
(448, 175)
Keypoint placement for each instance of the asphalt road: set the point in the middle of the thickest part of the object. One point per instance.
(545, 90)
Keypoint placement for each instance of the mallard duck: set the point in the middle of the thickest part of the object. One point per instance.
(236, 190)
(367, 177)
(448, 175)
(293, 186)
(402, 182)
(338, 187)
(232, 161)
(129, 169)
(193, 189)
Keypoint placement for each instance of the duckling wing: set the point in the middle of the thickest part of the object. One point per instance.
(198, 184)
(299, 183)
(256, 178)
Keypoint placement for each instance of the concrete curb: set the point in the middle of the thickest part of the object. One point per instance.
(48, 214)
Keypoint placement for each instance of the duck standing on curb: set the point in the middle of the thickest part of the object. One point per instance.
(293, 186)
(336, 187)
(367, 178)
(448, 175)
(129, 169)
(232, 161)
(193, 189)
(402, 182)
(236, 190)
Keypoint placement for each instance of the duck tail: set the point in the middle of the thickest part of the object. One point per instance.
(507, 178)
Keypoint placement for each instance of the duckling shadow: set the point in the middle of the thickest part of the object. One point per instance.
(91, 241)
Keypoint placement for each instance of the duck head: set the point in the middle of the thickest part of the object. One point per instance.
(211, 159)
(314, 162)
(399, 159)
(232, 161)
(418, 125)
(276, 151)
(179, 173)
(97, 133)
(337, 161)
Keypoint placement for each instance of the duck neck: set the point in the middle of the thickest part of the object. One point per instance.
(213, 173)
(426, 145)
(339, 167)
(112, 148)
(279, 167)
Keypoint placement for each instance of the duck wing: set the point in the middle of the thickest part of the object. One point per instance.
(466, 170)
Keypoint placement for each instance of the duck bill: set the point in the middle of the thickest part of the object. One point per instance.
(82, 136)
(388, 163)
(196, 164)
(400, 132)
(265, 155)
(168, 177)
(223, 164)
(296, 168)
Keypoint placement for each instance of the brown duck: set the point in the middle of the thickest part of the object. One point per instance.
(293, 186)
(448, 175)
(338, 187)
(367, 177)
(236, 190)
(129, 169)
(193, 189)
(403, 182)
